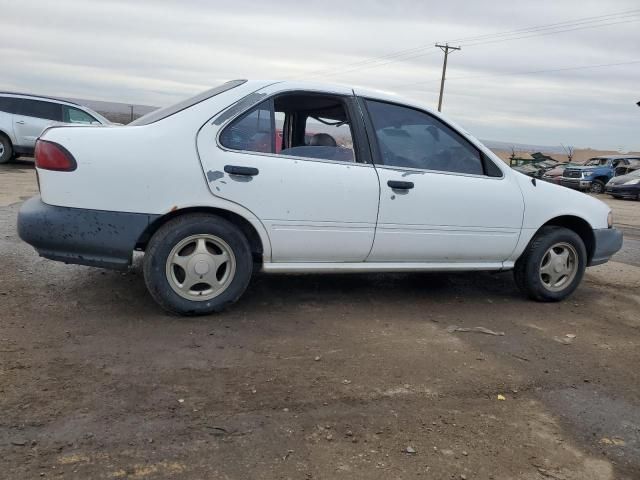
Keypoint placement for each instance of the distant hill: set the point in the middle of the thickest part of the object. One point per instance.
(115, 111)
(523, 147)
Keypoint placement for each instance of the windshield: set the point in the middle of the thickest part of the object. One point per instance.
(189, 102)
(593, 162)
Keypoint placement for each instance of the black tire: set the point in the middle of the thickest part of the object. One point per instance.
(7, 149)
(527, 269)
(178, 229)
(597, 186)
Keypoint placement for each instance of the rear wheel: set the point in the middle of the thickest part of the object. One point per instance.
(6, 149)
(597, 186)
(552, 266)
(197, 264)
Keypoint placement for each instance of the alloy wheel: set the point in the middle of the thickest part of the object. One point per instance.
(559, 266)
(200, 267)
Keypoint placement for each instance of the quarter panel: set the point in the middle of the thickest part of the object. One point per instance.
(151, 169)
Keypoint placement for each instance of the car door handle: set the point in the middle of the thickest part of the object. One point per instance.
(399, 185)
(20, 122)
(237, 170)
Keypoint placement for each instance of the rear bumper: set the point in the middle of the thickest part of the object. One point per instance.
(97, 238)
(607, 242)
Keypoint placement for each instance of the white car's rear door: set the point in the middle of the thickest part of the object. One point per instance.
(314, 210)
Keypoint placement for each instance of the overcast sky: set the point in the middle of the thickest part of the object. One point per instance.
(159, 51)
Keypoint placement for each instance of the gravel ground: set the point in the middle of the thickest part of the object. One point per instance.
(315, 377)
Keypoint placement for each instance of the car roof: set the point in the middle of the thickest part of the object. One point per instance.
(40, 97)
(338, 88)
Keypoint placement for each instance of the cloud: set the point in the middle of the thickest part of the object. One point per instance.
(160, 51)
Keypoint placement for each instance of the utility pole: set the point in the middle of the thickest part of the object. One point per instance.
(131, 107)
(445, 49)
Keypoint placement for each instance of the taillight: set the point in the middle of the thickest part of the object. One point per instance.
(53, 156)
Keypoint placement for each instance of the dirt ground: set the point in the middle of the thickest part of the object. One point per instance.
(316, 377)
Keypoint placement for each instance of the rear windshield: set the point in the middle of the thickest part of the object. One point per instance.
(189, 102)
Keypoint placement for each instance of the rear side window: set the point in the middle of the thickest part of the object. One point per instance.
(39, 109)
(412, 138)
(75, 115)
(306, 125)
(252, 132)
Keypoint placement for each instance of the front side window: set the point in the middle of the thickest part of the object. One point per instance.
(40, 109)
(75, 115)
(314, 126)
(413, 139)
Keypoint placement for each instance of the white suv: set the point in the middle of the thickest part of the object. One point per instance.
(24, 117)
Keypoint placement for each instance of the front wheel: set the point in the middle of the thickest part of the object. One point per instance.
(597, 186)
(197, 264)
(552, 266)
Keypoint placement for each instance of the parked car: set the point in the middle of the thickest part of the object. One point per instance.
(554, 175)
(530, 170)
(24, 117)
(536, 168)
(415, 193)
(627, 186)
(595, 173)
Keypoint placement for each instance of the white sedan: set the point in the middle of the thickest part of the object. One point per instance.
(296, 177)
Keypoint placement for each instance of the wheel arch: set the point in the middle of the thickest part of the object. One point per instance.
(578, 225)
(8, 137)
(256, 242)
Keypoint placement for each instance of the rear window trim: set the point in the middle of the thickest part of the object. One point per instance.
(162, 113)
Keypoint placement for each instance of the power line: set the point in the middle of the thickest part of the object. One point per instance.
(541, 34)
(420, 54)
(532, 72)
(583, 20)
(540, 30)
(529, 72)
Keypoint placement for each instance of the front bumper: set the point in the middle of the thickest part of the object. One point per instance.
(575, 183)
(607, 242)
(623, 190)
(97, 238)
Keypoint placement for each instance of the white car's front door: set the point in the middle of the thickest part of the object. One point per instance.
(318, 201)
(441, 200)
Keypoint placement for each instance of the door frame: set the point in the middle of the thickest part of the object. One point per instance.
(361, 143)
